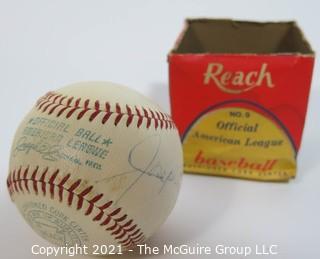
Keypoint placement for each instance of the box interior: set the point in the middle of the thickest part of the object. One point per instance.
(228, 36)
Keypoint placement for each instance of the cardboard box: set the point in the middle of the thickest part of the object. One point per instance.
(239, 93)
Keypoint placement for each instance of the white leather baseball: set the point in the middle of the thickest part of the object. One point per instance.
(95, 163)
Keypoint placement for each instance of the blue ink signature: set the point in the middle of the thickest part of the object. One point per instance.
(47, 151)
(152, 168)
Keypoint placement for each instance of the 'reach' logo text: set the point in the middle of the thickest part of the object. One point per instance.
(236, 82)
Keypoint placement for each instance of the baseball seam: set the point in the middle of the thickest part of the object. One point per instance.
(24, 181)
(58, 104)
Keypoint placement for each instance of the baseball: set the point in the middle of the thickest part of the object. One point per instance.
(95, 163)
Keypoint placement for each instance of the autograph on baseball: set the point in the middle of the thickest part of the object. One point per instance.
(96, 153)
(151, 168)
(51, 152)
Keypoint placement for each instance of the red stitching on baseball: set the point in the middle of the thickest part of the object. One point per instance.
(125, 234)
(55, 103)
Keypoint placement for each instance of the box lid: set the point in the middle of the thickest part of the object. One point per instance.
(241, 37)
